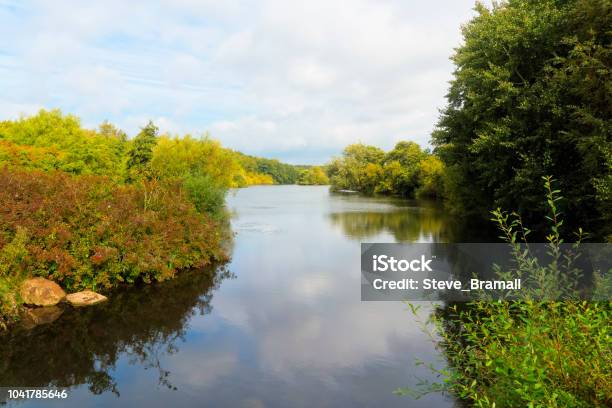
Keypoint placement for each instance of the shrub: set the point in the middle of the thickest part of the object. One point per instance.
(207, 196)
(86, 232)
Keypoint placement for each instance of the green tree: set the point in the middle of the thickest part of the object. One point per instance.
(313, 176)
(359, 169)
(401, 169)
(141, 150)
(531, 96)
(109, 130)
(430, 177)
(51, 140)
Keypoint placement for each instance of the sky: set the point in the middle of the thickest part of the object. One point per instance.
(292, 80)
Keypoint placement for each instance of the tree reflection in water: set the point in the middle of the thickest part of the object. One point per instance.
(423, 222)
(83, 346)
(405, 224)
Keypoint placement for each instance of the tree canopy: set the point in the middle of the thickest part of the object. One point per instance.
(531, 96)
(407, 170)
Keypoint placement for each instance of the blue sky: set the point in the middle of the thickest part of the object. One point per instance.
(293, 80)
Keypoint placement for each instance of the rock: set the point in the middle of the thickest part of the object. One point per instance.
(32, 317)
(41, 292)
(85, 298)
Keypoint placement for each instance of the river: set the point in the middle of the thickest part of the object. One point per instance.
(281, 325)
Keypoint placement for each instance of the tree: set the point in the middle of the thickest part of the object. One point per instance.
(51, 140)
(359, 168)
(313, 176)
(141, 151)
(401, 166)
(109, 130)
(406, 171)
(430, 177)
(531, 97)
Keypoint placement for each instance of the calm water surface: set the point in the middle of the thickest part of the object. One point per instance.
(282, 325)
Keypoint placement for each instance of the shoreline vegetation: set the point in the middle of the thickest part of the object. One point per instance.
(536, 351)
(92, 209)
(529, 99)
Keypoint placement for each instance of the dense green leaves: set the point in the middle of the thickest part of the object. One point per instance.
(406, 171)
(281, 173)
(52, 141)
(531, 96)
(141, 151)
(313, 176)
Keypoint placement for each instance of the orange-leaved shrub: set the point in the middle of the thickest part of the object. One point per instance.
(88, 232)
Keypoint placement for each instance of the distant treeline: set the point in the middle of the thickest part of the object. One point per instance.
(53, 141)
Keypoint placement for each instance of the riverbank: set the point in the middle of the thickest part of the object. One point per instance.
(88, 233)
(92, 209)
(293, 246)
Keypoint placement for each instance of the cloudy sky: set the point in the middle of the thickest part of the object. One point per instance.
(294, 80)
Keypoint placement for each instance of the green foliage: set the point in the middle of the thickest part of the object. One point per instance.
(402, 168)
(359, 169)
(313, 176)
(93, 209)
(12, 257)
(430, 177)
(141, 151)
(53, 141)
(110, 131)
(207, 196)
(527, 352)
(530, 97)
(404, 171)
(281, 173)
(180, 157)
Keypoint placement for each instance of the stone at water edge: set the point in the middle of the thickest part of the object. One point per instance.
(85, 298)
(41, 292)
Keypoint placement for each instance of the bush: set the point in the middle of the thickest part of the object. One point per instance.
(529, 352)
(205, 194)
(86, 232)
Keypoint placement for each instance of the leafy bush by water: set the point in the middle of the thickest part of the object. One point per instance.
(86, 232)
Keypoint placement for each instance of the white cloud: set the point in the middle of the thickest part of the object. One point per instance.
(271, 77)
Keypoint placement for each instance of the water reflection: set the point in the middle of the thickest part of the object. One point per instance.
(408, 225)
(407, 221)
(290, 330)
(83, 346)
